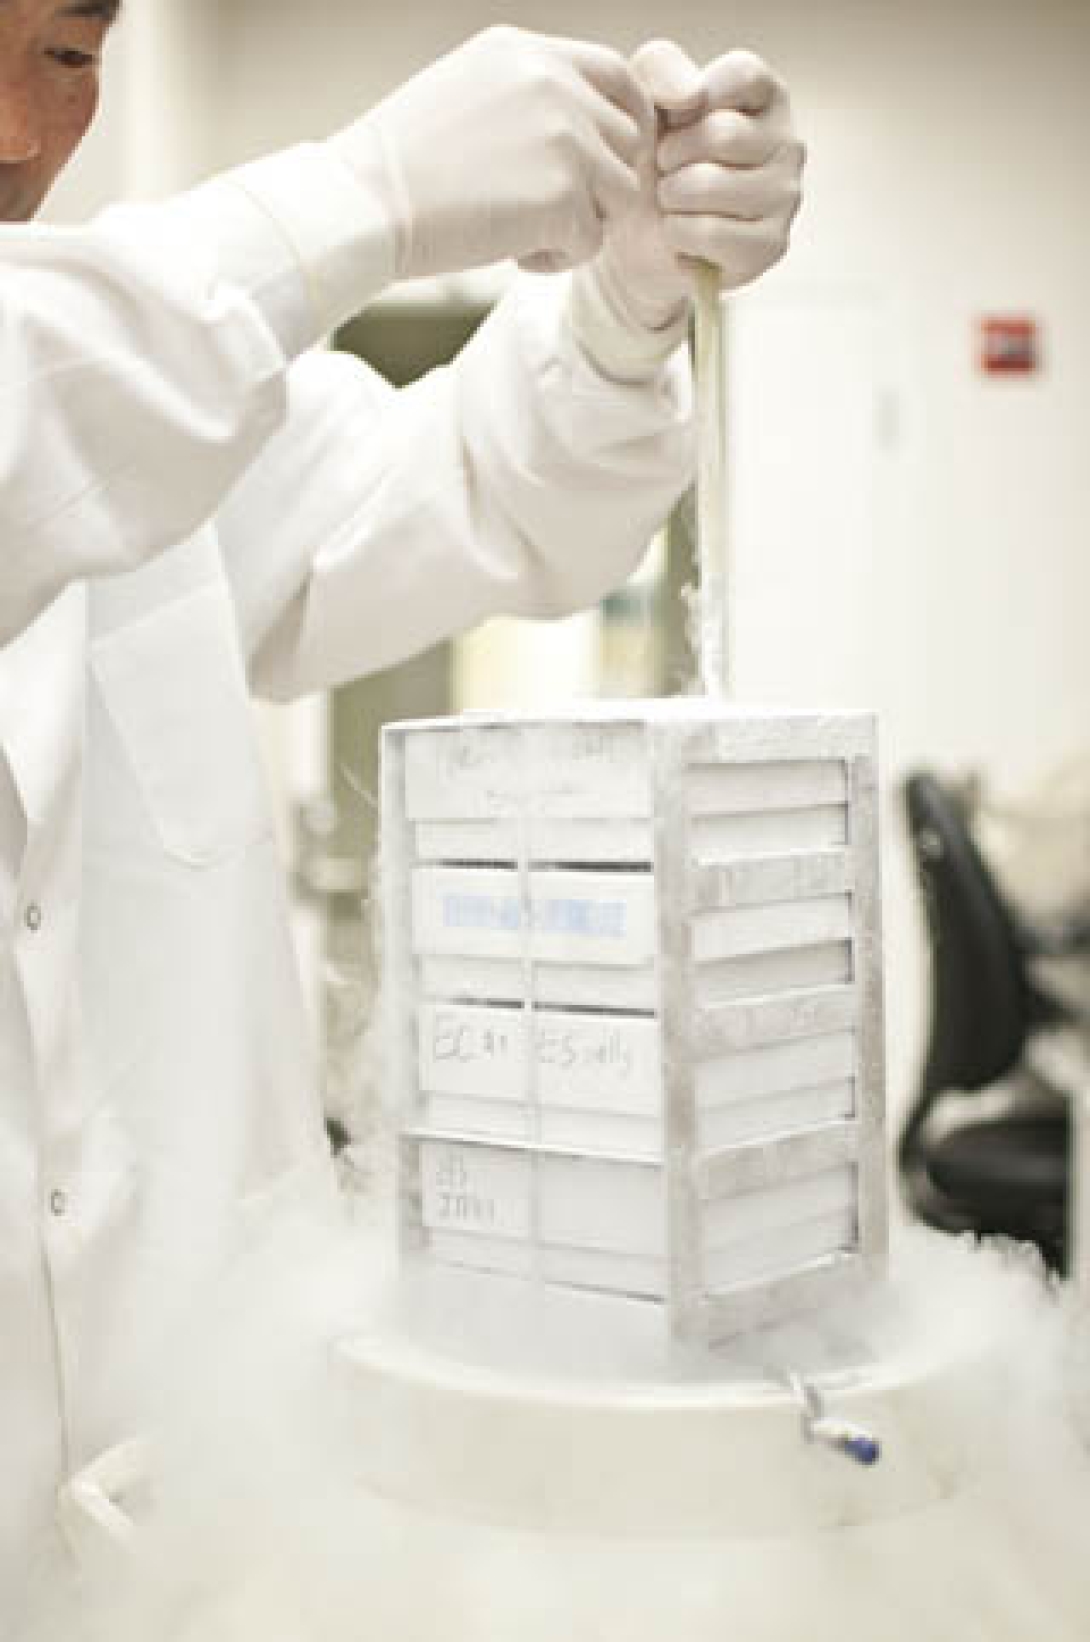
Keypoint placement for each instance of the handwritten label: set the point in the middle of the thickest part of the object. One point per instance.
(469, 1038)
(576, 1047)
(472, 1189)
(572, 769)
(596, 1062)
(580, 1202)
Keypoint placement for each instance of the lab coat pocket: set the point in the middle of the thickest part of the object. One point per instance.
(175, 688)
(93, 1507)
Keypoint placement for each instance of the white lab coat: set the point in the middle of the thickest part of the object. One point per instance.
(192, 503)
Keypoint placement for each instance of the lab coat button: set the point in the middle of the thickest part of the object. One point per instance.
(33, 917)
(58, 1203)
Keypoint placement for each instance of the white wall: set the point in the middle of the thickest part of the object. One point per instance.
(948, 145)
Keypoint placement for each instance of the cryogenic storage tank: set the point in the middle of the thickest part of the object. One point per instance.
(536, 1469)
(542, 1506)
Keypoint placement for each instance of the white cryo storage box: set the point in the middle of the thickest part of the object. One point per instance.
(634, 982)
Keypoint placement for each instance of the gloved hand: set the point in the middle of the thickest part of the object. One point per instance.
(514, 145)
(724, 188)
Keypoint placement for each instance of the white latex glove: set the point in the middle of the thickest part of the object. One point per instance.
(724, 188)
(514, 145)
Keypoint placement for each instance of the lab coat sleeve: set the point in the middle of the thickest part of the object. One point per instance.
(143, 360)
(517, 481)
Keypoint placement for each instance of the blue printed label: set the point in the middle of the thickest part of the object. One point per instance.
(555, 915)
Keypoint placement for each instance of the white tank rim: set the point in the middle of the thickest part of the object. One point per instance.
(657, 1459)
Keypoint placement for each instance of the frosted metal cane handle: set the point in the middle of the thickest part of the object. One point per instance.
(711, 486)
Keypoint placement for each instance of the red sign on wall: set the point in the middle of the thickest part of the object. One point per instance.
(1009, 346)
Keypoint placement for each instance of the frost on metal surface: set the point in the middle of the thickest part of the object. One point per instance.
(635, 1002)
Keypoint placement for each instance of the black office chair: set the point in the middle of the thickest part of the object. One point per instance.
(1004, 1174)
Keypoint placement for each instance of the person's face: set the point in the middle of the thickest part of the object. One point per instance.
(50, 51)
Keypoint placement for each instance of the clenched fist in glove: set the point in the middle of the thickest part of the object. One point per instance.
(515, 145)
(554, 152)
(723, 186)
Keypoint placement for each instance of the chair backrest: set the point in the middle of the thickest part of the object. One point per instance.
(980, 999)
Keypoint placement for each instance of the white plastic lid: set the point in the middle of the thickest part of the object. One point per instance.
(684, 1459)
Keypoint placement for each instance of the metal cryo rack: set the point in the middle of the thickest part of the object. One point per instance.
(635, 1002)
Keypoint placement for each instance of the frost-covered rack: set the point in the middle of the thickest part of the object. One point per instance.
(634, 969)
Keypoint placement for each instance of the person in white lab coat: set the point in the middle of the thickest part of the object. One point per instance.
(196, 506)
